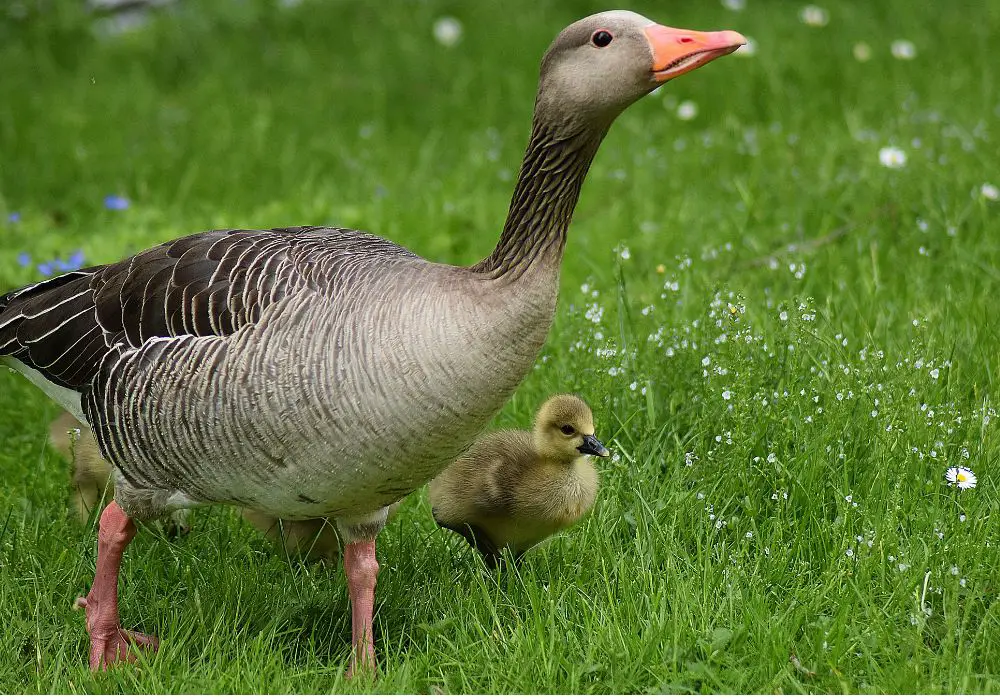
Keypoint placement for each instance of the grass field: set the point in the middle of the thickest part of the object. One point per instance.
(787, 342)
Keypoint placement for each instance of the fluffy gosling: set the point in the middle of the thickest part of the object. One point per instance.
(514, 488)
(91, 474)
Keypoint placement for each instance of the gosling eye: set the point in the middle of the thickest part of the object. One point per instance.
(567, 430)
(601, 38)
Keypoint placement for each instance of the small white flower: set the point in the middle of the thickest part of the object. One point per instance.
(814, 16)
(447, 31)
(726, 395)
(849, 552)
(625, 253)
(749, 535)
(903, 50)
(892, 157)
(961, 477)
(687, 110)
(954, 570)
(734, 5)
(706, 361)
(862, 52)
(935, 373)
(748, 49)
(771, 459)
(990, 192)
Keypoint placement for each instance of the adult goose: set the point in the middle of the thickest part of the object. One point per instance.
(309, 372)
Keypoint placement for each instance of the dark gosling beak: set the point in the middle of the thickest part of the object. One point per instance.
(593, 446)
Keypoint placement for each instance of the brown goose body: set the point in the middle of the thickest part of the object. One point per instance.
(324, 372)
(370, 353)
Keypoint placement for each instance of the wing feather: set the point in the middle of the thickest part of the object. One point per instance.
(206, 284)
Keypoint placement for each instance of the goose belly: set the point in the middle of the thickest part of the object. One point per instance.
(333, 419)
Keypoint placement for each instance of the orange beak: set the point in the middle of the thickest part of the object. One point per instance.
(679, 51)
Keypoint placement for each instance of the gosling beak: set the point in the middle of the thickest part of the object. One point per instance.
(679, 51)
(592, 446)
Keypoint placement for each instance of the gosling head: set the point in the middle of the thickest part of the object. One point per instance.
(601, 64)
(564, 430)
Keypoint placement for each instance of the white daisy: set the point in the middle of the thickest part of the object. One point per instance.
(748, 49)
(892, 157)
(814, 16)
(687, 110)
(903, 50)
(990, 192)
(448, 31)
(961, 477)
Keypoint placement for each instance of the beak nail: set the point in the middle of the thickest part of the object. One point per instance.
(592, 446)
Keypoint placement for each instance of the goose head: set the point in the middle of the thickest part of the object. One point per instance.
(595, 68)
(564, 430)
(601, 64)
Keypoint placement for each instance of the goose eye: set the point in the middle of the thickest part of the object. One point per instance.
(567, 430)
(601, 38)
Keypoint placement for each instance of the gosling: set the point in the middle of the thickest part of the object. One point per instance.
(514, 488)
(91, 480)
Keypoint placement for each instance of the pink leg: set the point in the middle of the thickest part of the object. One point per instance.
(361, 569)
(109, 643)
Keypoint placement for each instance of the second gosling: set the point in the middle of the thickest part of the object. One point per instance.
(514, 488)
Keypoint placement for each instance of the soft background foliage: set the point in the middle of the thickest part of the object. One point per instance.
(786, 342)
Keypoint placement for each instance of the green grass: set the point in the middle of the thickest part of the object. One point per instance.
(820, 345)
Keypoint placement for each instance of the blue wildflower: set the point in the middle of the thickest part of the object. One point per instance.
(50, 267)
(14, 217)
(76, 260)
(115, 202)
(23, 259)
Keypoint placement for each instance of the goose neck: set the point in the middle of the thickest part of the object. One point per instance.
(548, 187)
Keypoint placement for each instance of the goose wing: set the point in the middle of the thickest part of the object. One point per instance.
(205, 284)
